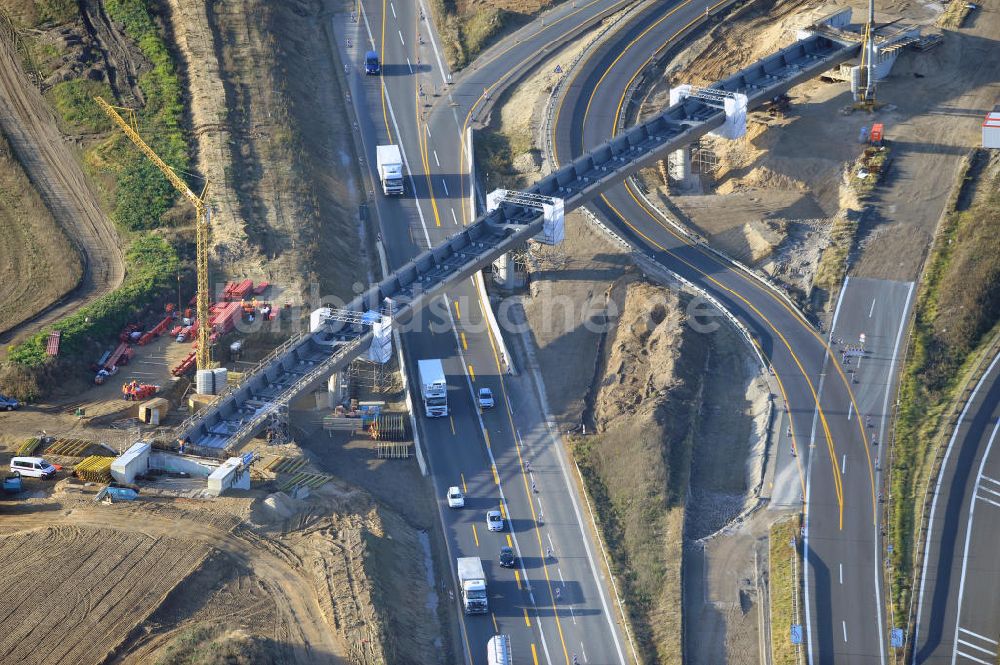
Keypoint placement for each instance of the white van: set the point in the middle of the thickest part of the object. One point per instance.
(35, 467)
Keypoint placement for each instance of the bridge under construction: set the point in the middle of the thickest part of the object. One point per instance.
(305, 361)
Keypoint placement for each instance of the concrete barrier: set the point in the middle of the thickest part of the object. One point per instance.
(230, 475)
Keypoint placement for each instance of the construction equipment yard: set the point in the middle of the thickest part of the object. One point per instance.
(319, 315)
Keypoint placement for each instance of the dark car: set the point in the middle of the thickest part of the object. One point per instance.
(372, 65)
(507, 558)
(8, 403)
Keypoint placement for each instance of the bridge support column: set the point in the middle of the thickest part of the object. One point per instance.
(505, 273)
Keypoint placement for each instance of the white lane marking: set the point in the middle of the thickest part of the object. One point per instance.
(983, 498)
(561, 580)
(850, 410)
(400, 33)
(872, 310)
(937, 493)
(392, 115)
(584, 652)
(393, 8)
(489, 452)
(445, 185)
(977, 647)
(809, 465)
(987, 489)
(436, 158)
(978, 660)
(541, 513)
(968, 538)
(409, 65)
(982, 637)
(844, 624)
(551, 544)
(453, 217)
(427, 128)
(991, 480)
(437, 51)
(841, 573)
(572, 614)
(843, 465)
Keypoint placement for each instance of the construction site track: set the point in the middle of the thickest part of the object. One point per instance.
(27, 122)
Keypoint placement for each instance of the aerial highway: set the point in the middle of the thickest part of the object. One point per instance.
(837, 462)
(956, 616)
(554, 604)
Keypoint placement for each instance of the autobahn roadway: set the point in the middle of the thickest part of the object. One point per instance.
(957, 620)
(845, 621)
(554, 605)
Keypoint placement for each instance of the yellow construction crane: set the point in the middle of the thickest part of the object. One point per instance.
(202, 221)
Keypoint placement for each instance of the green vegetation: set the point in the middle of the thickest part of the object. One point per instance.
(207, 644)
(833, 262)
(637, 473)
(55, 11)
(464, 35)
(74, 100)
(956, 314)
(142, 194)
(873, 164)
(151, 264)
(785, 589)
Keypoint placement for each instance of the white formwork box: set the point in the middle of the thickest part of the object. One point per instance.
(991, 129)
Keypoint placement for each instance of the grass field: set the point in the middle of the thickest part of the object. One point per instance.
(785, 589)
(957, 311)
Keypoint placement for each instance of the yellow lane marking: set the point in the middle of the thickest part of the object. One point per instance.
(517, 578)
(503, 511)
(465, 488)
(472, 373)
(509, 543)
(465, 344)
(496, 629)
(452, 421)
(487, 435)
(475, 534)
(534, 654)
(458, 312)
(496, 477)
(527, 621)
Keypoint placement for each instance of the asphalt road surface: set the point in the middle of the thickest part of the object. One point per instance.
(957, 619)
(845, 620)
(554, 604)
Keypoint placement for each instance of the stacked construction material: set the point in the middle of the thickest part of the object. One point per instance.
(94, 469)
(157, 330)
(69, 447)
(237, 290)
(29, 446)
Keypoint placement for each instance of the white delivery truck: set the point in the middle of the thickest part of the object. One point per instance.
(390, 168)
(473, 581)
(433, 387)
(498, 650)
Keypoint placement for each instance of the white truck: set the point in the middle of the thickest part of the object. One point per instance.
(433, 387)
(390, 168)
(473, 581)
(498, 650)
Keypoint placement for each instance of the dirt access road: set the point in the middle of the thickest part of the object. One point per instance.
(30, 127)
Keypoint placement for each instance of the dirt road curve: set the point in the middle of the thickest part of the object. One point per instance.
(26, 120)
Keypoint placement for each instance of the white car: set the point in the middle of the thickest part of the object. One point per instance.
(455, 498)
(485, 398)
(494, 520)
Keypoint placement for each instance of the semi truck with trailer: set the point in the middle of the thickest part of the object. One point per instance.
(433, 387)
(390, 169)
(498, 650)
(473, 582)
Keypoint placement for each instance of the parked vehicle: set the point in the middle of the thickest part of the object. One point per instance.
(455, 498)
(34, 467)
(433, 387)
(494, 520)
(472, 579)
(507, 557)
(9, 403)
(390, 168)
(372, 65)
(485, 398)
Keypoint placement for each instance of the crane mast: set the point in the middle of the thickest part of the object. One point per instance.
(203, 215)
